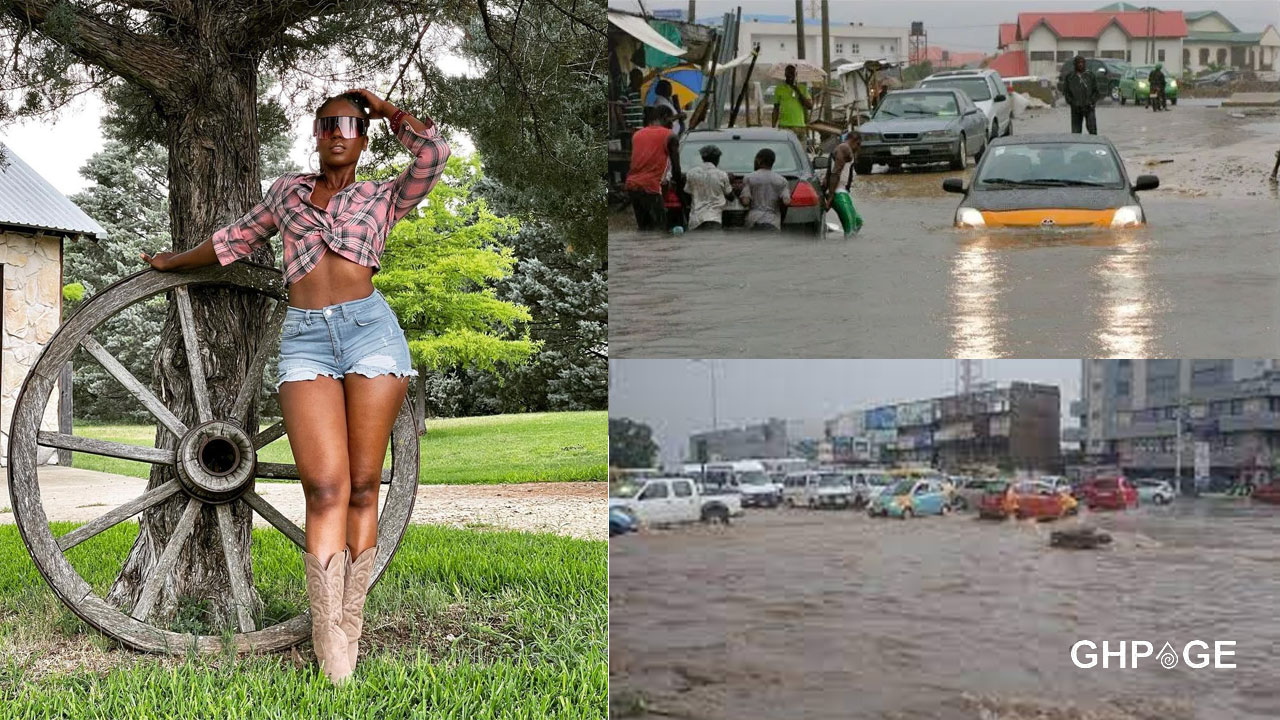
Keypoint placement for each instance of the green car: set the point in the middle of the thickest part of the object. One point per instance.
(1134, 86)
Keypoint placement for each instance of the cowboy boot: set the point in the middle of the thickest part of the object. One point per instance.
(324, 590)
(356, 587)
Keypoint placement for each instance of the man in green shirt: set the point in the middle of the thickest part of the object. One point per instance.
(790, 103)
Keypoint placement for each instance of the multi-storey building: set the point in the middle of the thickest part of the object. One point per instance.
(764, 440)
(1016, 427)
(1133, 413)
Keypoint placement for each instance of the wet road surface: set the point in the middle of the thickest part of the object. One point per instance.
(827, 614)
(1202, 279)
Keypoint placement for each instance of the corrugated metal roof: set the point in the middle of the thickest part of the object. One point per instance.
(29, 201)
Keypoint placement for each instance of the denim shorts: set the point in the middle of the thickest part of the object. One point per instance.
(358, 336)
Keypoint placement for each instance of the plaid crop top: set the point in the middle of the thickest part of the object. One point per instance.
(360, 218)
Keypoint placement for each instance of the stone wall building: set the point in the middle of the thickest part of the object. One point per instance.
(35, 222)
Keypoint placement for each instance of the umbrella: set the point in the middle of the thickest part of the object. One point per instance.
(686, 85)
(806, 72)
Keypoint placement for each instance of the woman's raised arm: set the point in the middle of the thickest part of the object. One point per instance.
(422, 139)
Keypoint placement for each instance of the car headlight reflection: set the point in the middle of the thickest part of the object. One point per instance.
(1127, 216)
(939, 133)
(870, 137)
(970, 218)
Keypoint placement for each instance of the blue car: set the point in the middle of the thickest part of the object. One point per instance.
(910, 498)
(620, 523)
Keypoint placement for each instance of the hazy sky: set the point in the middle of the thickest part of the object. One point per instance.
(674, 396)
(960, 24)
(58, 146)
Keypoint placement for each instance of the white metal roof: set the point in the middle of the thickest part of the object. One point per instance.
(28, 201)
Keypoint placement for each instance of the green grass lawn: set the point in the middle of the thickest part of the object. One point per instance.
(537, 447)
(464, 624)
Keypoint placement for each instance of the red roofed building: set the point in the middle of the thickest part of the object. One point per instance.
(1046, 40)
(1011, 63)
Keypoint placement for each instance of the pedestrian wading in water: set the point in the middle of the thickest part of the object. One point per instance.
(344, 361)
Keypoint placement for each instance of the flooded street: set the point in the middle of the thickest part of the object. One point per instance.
(812, 614)
(1202, 278)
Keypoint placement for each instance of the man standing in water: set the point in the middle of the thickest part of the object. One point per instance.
(652, 148)
(840, 182)
(765, 193)
(1081, 92)
(790, 104)
(710, 189)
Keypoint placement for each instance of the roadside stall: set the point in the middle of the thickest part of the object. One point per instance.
(856, 86)
(678, 52)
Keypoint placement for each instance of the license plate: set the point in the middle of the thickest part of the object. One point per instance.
(900, 150)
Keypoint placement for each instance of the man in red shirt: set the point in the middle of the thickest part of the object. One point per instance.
(652, 148)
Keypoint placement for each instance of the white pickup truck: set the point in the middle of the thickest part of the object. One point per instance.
(670, 500)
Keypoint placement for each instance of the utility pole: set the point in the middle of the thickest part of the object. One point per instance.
(692, 9)
(826, 62)
(800, 29)
(1177, 451)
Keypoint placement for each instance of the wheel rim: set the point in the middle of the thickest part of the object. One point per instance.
(215, 463)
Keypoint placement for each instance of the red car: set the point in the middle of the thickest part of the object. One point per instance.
(1042, 501)
(1269, 493)
(1113, 493)
(997, 502)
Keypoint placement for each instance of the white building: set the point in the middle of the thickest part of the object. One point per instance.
(1212, 39)
(35, 222)
(1050, 39)
(849, 42)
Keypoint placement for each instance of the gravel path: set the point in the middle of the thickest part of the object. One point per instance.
(576, 509)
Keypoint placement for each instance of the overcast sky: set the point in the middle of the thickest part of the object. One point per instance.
(960, 24)
(58, 146)
(674, 396)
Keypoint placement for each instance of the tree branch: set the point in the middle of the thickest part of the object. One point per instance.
(144, 60)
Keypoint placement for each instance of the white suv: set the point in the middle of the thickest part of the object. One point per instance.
(986, 89)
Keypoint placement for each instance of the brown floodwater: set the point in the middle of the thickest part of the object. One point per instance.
(813, 614)
(1203, 278)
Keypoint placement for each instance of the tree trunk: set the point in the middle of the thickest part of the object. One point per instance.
(213, 179)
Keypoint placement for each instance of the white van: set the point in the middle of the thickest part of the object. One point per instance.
(815, 489)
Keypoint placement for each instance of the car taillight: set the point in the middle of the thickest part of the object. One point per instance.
(804, 195)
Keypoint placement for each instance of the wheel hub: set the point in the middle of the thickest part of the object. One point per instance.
(216, 461)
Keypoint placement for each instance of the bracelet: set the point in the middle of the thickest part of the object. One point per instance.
(395, 120)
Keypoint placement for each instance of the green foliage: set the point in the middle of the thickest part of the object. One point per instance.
(73, 292)
(536, 110)
(631, 444)
(438, 273)
(128, 198)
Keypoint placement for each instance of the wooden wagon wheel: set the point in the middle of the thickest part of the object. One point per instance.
(215, 463)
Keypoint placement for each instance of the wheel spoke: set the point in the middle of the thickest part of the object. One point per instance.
(268, 436)
(277, 471)
(151, 590)
(105, 447)
(195, 365)
(276, 518)
(252, 379)
(131, 383)
(150, 498)
(235, 571)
